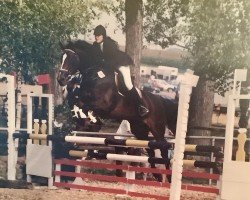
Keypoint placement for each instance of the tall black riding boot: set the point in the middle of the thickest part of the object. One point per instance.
(135, 97)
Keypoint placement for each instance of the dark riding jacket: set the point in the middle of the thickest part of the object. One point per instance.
(110, 56)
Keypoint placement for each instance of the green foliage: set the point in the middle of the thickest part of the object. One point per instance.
(161, 19)
(31, 29)
(218, 35)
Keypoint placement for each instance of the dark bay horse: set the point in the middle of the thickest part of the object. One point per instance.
(99, 92)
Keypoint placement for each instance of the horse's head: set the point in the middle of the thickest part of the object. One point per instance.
(70, 66)
(76, 58)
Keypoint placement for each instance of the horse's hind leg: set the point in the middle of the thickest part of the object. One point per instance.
(119, 150)
(141, 131)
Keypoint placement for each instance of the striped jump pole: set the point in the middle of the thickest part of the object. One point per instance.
(96, 140)
(116, 142)
(202, 148)
(141, 159)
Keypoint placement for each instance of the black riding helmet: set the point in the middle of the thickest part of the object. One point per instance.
(100, 30)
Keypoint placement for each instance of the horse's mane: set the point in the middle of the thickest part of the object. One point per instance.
(76, 44)
(84, 50)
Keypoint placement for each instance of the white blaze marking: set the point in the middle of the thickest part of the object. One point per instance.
(63, 59)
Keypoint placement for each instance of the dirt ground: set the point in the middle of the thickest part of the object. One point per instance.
(59, 194)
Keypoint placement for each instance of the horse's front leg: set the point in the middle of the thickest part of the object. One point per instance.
(119, 150)
(151, 154)
(164, 154)
(158, 132)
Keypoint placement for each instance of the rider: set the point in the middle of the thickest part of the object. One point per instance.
(107, 53)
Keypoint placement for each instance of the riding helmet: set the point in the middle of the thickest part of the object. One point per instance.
(100, 30)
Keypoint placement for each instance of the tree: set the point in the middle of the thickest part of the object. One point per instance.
(31, 29)
(218, 41)
(133, 10)
(162, 21)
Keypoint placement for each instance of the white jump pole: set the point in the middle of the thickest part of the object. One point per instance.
(189, 80)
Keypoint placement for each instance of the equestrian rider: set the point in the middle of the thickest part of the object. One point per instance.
(107, 53)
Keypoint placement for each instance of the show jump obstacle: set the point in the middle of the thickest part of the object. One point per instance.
(39, 151)
(27, 95)
(235, 182)
(235, 177)
(187, 83)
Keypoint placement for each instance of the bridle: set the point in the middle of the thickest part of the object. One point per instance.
(66, 72)
(66, 50)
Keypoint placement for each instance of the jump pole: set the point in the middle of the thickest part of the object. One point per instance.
(188, 82)
(117, 142)
(141, 159)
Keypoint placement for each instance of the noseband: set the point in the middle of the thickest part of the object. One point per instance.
(67, 71)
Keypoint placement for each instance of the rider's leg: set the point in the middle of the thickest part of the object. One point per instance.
(125, 77)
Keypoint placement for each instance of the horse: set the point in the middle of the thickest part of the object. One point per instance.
(99, 91)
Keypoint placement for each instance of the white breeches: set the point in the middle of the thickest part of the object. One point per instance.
(125, 72)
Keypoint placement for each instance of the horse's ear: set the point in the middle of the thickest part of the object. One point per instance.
(61, 45)
(64, 44)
